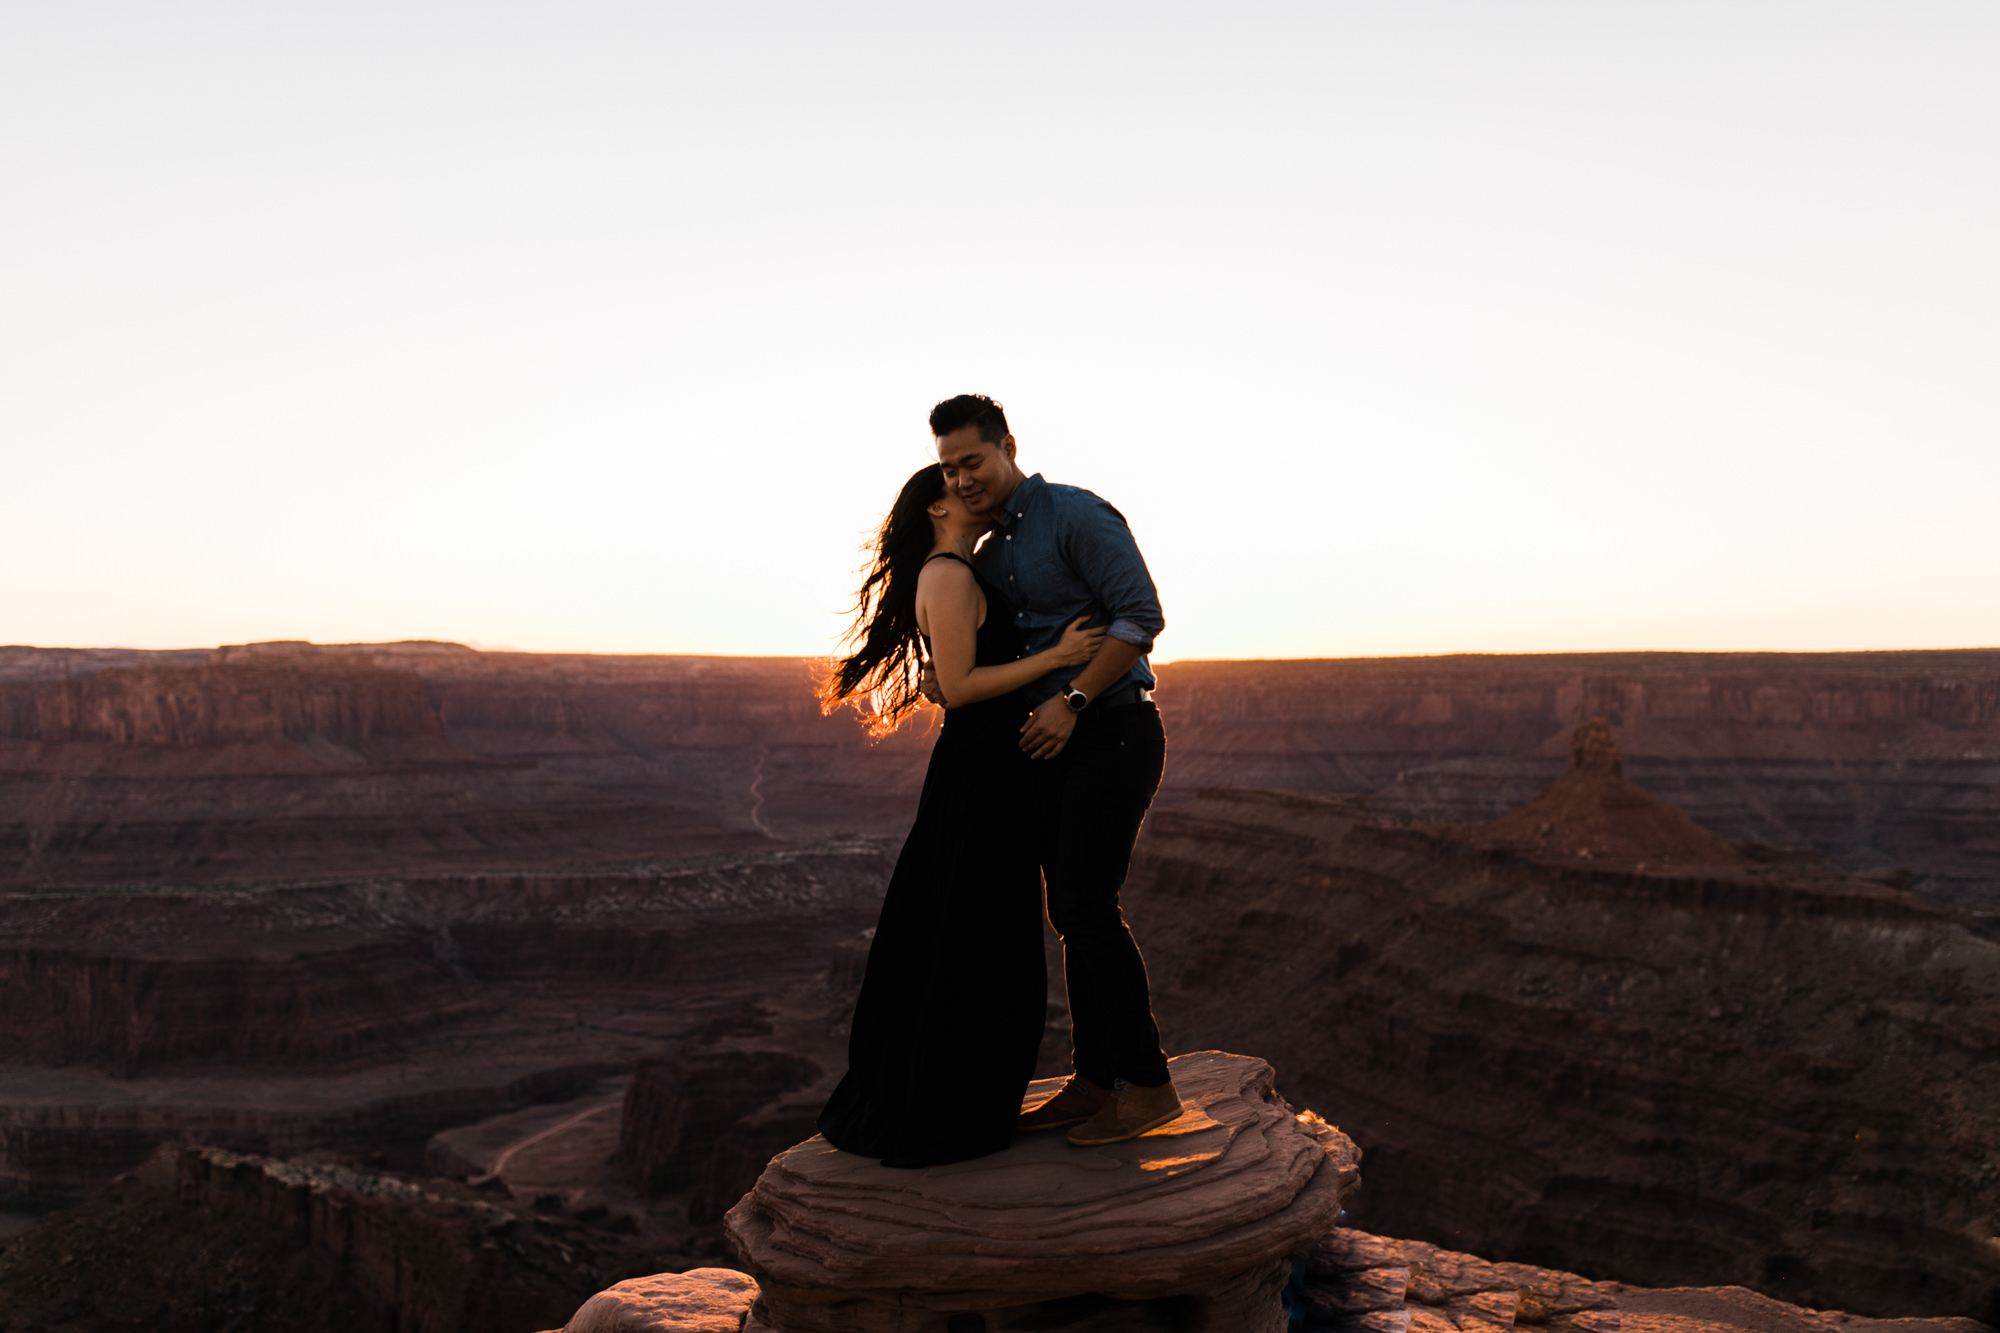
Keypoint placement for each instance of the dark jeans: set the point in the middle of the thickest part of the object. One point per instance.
(1092, 798)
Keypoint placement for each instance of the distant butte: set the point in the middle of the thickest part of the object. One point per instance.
(1592, 814)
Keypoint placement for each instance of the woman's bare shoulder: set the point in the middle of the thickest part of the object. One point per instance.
(946, 574)
(946, 587)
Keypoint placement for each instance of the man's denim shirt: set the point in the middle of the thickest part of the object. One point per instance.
(1059, 552)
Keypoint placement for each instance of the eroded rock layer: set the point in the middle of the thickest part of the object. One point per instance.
(370, 1015)
(1758, 1071)
(1877, 759)
(1348, 1281)
(297, 759)
(287, 767)
(1199, 1215)
(206, 1241)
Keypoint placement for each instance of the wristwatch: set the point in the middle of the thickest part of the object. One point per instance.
(1076, 699)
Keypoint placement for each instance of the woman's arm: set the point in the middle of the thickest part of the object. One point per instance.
(948, 610)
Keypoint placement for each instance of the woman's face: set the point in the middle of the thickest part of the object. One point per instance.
(949, 511)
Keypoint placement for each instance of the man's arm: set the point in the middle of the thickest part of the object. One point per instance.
(1048, 728)
(1098, 546)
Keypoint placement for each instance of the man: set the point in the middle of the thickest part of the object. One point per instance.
(1056, 553)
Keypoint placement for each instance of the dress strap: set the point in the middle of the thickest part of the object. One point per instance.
(951, 555)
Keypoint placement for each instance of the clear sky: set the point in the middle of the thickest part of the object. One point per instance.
(1391, 327)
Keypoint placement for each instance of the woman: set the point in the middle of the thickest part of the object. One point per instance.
(954, 1001)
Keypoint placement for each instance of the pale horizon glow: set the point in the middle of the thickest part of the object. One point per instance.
(1393, 329)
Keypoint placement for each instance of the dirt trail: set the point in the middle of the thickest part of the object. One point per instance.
(519, 1146)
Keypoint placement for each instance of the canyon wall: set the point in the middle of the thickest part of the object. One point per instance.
(370, 1014)
(288, 761)
(316, 713)
(294, 759)
(279, 897)
(1760, 1072)
(1876, 759)
(741, 740)
(286, 769)
(203, 1239)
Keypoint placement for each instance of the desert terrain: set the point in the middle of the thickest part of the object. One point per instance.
(1707, 994)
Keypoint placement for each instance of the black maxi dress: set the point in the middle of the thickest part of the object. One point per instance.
(952, 1007)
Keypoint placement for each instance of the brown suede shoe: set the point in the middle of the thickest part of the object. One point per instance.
(1078, 1100)
(1131, 1111)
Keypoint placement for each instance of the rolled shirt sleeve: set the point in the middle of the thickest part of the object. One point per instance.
(1060, 552)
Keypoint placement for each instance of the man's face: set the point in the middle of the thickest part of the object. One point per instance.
(981, 474)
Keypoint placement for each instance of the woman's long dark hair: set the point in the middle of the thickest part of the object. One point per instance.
(886, 665)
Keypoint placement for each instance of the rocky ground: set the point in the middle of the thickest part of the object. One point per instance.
(1346, 1281)
(1355, 1282)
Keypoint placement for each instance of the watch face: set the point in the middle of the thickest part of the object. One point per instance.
(1076, 699)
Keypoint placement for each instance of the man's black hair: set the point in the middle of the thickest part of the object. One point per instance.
(970, 409)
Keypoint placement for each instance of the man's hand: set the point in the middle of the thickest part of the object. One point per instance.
(928, 687)
(1047, 728)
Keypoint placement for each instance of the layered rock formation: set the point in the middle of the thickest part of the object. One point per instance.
(1593, 812)
(740, 741)
(750, 1085)
(282, 768)
(1877, 759)
(1729, 1062)
(279, 897)
(1357, 1282)
(1880, 760)
(282, 896)
(706, 1300)
(204, 1241)
(705, 1120)
(370, 1015)
(1347, 1281)
(1360, 1283)
(1187, 1227)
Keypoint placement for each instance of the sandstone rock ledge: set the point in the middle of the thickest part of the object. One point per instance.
(1189, 1227)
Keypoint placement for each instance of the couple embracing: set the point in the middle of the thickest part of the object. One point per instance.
(1035, 642)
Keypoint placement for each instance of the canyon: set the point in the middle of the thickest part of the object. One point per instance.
(277, 759)
(579, 933)
(1589, 1034)
(1760, 1070)
(370, 1014)
(1883, 761)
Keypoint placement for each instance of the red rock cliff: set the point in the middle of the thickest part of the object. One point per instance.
(1878, 759)
(324, 708)
(1742, 1067)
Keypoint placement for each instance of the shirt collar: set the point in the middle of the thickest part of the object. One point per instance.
(1017, 503)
